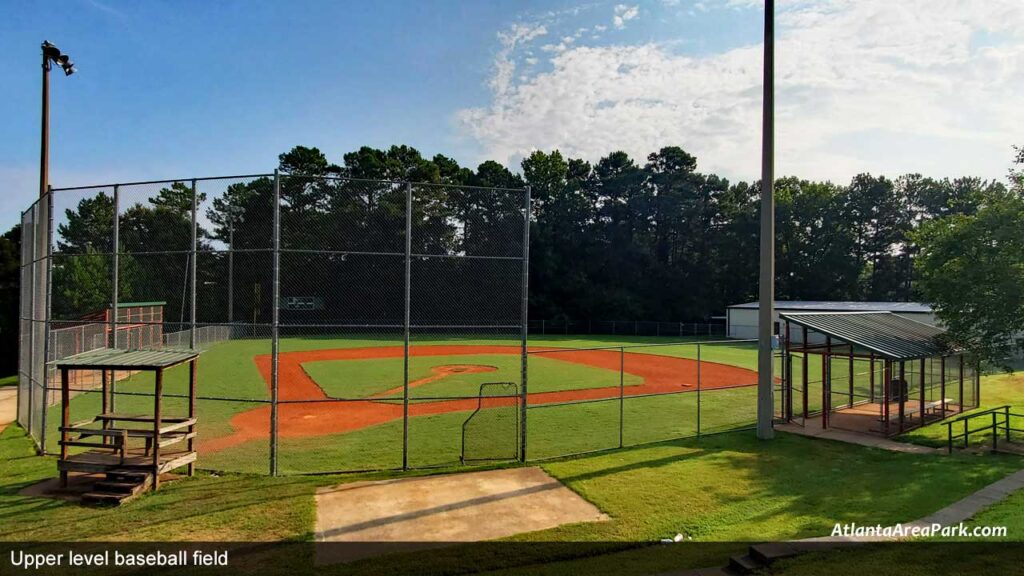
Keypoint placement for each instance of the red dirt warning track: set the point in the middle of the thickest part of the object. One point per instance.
(317, 417)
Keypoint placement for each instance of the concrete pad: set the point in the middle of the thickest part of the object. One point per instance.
(415, 513)
(8, 405)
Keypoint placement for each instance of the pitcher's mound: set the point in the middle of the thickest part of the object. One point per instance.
(412, 513)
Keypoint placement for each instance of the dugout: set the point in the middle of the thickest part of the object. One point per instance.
(875, 372)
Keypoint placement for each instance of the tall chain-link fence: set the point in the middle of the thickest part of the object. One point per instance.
(345, 325)
(322, 306)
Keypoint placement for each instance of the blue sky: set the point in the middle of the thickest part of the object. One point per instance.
(174, 89)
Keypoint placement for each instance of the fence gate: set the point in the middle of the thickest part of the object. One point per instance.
(491, 432)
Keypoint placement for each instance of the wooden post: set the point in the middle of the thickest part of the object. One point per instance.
(106, 406)
(65, 416)
(156, 427)
(192, 410)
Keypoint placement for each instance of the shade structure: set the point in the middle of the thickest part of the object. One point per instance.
(887, 335)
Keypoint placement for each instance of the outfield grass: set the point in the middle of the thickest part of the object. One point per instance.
(365, 378)
(227, 370)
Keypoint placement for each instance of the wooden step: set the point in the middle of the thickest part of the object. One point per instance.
(107, 498)
(130, 488)
(129, 476)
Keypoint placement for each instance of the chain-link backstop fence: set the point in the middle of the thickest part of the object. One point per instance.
(345, 325)
(322, 306)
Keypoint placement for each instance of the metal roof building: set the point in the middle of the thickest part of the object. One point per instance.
(742, 319)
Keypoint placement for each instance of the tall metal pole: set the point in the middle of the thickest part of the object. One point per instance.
(766, 306)
(523, 318)
(274, 305)
(44, 143)
(408, 306)
(192, 269)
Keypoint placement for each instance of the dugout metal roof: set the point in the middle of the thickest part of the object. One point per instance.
(841, 306)
(889, 335)
(115, 359)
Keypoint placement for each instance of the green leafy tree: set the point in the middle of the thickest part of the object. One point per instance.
(10, 271)
(971, 269)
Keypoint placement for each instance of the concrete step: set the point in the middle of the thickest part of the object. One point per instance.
(766, 554)
(744, 564)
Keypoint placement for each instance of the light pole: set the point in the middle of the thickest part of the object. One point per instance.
(766, 288)
(51, 55)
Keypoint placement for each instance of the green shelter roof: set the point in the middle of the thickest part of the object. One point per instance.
(889, 335)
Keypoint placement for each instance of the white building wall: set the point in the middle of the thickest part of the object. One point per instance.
(743, 323)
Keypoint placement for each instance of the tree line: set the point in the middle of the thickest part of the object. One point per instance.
(620, 238)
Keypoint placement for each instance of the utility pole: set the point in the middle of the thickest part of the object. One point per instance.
(766, 288)
(51, 54)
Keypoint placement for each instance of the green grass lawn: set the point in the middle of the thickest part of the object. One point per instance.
(996, 390)
(725, 488)
(9, 380)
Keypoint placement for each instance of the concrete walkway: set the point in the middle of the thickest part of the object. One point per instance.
(8, 405)
(871, 440)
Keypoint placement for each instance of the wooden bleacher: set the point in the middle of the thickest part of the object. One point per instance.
(132, 450)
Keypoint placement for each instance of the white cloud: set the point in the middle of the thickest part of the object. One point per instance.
(931, 86)
(504, 65)
(623, 14)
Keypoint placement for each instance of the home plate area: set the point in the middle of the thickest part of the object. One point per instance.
(416, 513)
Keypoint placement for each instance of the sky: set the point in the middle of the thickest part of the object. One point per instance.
(180, 89)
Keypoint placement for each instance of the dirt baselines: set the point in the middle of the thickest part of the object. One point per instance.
(659, 373)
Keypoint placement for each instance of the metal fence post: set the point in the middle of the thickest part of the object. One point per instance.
(47, 311)
(698, 390)
(408, 305)
(193, 267)
(274, 325)
(622, 392)
(31, 239)
(115, 289)
(231, 267)
(523, 319)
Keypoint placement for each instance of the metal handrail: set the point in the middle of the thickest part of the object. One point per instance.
(995, 426)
